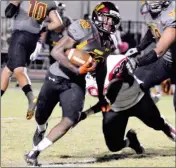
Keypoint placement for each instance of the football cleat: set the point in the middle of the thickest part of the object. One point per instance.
(31, 158)
(170, 132)
(134, 142)
(38, 136)
(31, 109)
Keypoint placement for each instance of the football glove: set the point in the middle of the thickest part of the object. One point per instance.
(87, 67)
(132, 52)
(105, 106)
(37, 51)
(131, 64)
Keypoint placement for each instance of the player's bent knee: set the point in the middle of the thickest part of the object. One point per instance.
(66, 123)
(73, 118)
(115, 147)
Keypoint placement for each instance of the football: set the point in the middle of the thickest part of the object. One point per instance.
(78, 57)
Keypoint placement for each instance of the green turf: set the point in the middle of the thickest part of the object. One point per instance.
(83, 144)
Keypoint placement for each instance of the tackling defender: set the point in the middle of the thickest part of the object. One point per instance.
(160, 61)
(127, 100)
(65, 83)
(28, 17)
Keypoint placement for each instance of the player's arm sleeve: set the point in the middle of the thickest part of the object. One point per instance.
(169, 19)
(114, 89)
(101, 72)
(11, 10)
(146, 41)
(171, 23)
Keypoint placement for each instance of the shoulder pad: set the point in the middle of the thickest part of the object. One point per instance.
(79, 29)
(168, 16)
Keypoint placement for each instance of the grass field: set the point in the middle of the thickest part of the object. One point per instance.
(84, 145)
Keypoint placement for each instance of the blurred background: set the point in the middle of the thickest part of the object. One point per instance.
(132, 23)
(132, 30)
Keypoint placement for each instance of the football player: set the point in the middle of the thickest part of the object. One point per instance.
(161, 60)
(65, 83)
(127, 100)
(28, 18)
(53, 36)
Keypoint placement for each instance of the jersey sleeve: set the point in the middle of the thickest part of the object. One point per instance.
(169, 18)
(76, 32)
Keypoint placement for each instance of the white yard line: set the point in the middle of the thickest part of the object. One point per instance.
(80, 163)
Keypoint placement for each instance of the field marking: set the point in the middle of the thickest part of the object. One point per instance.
(22, 118)
(12, 118)
(83, 163)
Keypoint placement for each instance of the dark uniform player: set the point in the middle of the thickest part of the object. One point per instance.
(53, 37)
(127, 100)
(160, 18)
(66, 83)
(27, 24)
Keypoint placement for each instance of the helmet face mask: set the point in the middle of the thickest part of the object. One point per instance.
(108, 23)
(61, 8)
(155, 7)
(106, 17)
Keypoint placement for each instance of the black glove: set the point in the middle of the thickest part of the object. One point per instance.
(104, 105)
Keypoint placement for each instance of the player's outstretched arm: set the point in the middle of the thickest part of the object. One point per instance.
(165, 41)
(145, 42)
(12, 8)
(101, 72)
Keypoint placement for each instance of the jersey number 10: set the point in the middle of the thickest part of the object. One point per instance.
(37, 10)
